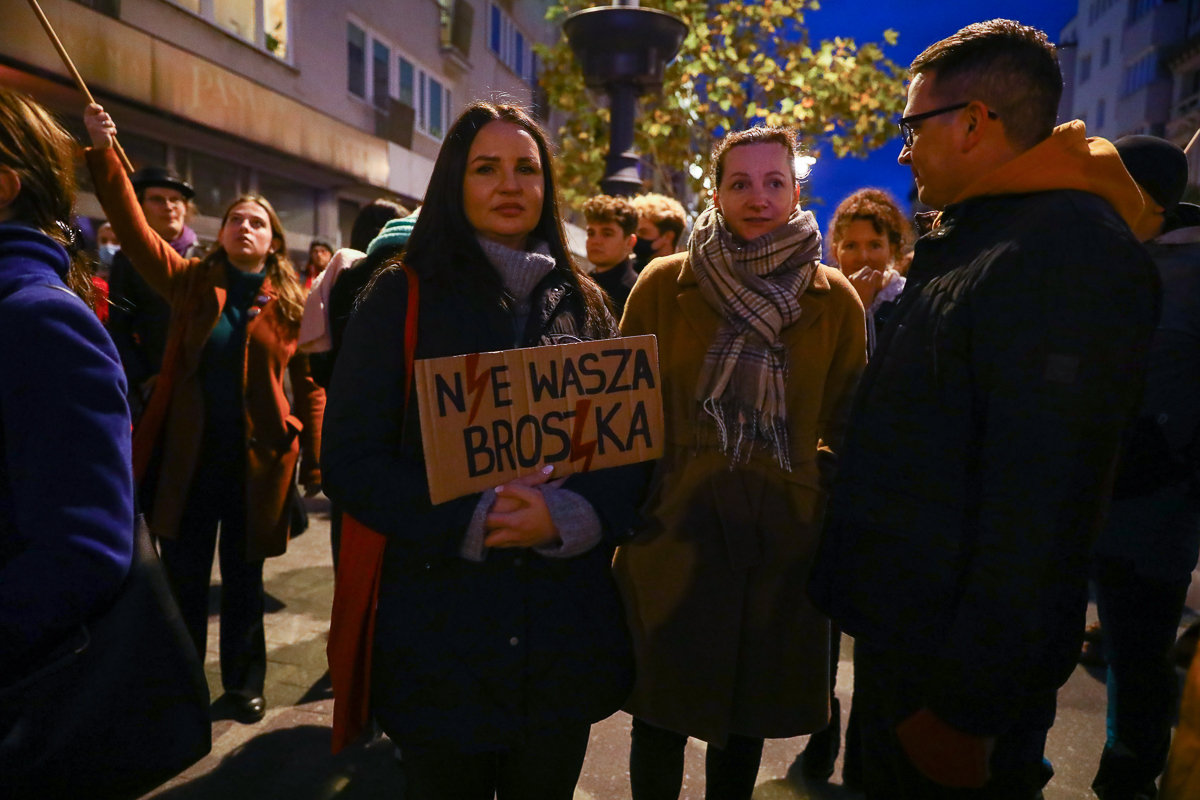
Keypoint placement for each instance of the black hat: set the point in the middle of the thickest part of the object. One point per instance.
(1160, 167)
(146, 177)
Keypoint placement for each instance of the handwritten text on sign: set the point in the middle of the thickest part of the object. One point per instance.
(489, 417)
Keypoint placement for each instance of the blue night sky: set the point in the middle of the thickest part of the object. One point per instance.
(920, 23)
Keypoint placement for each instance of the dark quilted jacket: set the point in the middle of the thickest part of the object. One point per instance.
(980, 449)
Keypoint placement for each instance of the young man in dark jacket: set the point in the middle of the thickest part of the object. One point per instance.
(981, 446)
(611, 234)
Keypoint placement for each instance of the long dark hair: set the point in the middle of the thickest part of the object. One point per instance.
(443, 247)
(42, 153)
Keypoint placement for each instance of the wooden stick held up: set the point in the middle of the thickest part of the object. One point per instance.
(1187, 150)
(62, 53)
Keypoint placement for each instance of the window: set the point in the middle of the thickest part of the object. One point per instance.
(275, 25)
(1097, 9)
(436, 112)
(533, 69)
(261, 23)
(380, 73)
(509, 44)
(1085, 69)
(1140, 73)
(427, 94)
(237, 17)
(295, 203)
(216, 181)
(1105, 51)
(407, 79)
(1100, 114)
(356, 60)
(1140, 8)
(494, 35)
(421, 123)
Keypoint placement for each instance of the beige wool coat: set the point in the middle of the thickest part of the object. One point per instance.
(725, 639)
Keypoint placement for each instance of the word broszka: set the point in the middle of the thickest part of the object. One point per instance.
(489, 417)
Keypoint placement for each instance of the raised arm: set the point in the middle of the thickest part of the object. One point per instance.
(153, 258)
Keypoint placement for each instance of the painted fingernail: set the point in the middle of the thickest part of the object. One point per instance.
(546, 470)
(499, 489)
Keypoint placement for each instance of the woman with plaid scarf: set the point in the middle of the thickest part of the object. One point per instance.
(760, 347)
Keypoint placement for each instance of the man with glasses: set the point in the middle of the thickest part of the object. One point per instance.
(980, 450)
(139, 316)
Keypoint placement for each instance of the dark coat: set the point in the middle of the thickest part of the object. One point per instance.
(66, 484)
(981, 446)
(274, 434)
(617, 283)
(725, 637)
(473, 656)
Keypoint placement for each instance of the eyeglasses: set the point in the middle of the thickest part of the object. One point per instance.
(905, 124)
(158, 199)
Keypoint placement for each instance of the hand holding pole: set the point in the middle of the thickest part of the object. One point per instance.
(62, 52)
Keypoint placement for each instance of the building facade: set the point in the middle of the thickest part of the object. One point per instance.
(1116, 76)
(320, 106)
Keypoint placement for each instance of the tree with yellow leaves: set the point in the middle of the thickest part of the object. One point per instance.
(741, 64)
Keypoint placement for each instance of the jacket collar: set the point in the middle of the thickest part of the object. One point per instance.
(1067, 159)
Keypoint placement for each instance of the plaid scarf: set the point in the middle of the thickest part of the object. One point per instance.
(755, 288)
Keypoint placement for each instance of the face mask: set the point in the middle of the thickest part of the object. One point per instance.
(644, 249)
(106, 252)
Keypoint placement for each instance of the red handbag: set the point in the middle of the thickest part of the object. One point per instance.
(356, 589)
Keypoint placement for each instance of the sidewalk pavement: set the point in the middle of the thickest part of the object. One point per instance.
(286, 755)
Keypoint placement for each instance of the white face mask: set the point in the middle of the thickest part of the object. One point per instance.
(106, 252)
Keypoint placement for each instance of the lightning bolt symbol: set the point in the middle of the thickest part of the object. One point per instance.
(579, 448)
(476, 383)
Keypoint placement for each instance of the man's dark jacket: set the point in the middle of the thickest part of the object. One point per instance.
(474, 656)
(617, 283)
(138, 318)
(981, 447)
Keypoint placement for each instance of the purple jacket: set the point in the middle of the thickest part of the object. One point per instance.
(66, 484)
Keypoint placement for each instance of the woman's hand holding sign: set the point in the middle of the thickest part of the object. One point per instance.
(520, 517)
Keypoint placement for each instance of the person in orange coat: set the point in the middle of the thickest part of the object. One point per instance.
(229, 441)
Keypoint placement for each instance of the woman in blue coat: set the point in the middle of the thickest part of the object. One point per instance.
(66, 484)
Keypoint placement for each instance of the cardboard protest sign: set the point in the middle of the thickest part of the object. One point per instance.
(489, 417)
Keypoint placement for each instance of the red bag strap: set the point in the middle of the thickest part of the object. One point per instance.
(410, 332)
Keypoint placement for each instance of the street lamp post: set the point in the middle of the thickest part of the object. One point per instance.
(623, 50)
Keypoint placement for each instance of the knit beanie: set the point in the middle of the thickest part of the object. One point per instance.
(394, 234)
(1160, 167)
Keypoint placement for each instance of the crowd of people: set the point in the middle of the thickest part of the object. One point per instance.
(931, 434)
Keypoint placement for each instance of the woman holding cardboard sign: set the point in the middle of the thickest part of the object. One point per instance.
(761, 347)
(499, 637)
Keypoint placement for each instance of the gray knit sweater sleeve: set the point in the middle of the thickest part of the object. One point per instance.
(578, 525)
(577, 522)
